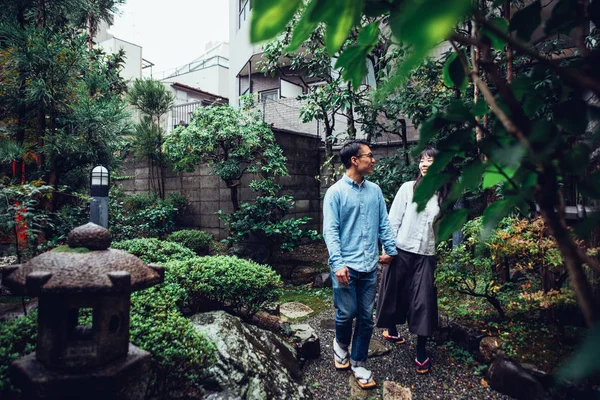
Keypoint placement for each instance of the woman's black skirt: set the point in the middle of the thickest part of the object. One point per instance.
(407, 293)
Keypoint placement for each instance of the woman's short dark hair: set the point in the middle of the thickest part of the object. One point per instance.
(351, 149)
(428, 151)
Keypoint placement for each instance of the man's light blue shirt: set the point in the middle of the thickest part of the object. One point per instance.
(354, 217)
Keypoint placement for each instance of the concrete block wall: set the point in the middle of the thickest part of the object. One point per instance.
(208, 194)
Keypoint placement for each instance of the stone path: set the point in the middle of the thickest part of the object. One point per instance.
(449, 379)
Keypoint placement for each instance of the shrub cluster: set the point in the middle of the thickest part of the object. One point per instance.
(17, 338)
(196, 240)
(240, 285)
(518, 267)
(142, 215)
(153, 250)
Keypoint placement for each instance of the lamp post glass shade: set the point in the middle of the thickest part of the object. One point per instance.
(99, 181)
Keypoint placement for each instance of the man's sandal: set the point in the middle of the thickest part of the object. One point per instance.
(341, 359)
(364, 378)
(424, 367)
(394, 339)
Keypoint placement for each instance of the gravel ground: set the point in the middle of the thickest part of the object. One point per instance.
(448, 379)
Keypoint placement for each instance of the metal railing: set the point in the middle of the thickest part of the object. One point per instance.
(182, 114)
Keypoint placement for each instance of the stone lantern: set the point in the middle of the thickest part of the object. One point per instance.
(72, 360)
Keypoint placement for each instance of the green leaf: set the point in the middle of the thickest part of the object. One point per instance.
(572, 116)
(585, 362)
(584, 228)
(494, 213)
(303, 29)
(369, 35)
(428, 130)
(501, 24)
(375, 8)
(347, 14)
(430, 184)
(563, 19)
(454, 73)
(423, 25)
(527, 20)
(440, 162)
(576, 160)
(521, 86)
(457, 111)
(480, 108)
(353, 62)
(494, 175)
(451, 222)
(270, 17)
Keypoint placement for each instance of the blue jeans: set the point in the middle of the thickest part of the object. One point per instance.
(355, 301)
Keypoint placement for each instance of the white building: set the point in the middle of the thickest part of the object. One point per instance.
(278, 93)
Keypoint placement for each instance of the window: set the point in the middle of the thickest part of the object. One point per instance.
(244, 12)
(266, 95)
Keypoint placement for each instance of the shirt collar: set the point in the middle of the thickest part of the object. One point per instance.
(350, 182)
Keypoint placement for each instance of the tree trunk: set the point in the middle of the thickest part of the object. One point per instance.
(234, 195)
(404, 138)
(509, 52)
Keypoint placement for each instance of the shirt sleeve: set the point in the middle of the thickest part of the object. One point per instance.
(399, 208)
(386, 237)
(331, 229)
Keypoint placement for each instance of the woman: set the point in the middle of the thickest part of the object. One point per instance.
(407, 292)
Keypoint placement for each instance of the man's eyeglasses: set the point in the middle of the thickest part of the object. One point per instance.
(370, 155)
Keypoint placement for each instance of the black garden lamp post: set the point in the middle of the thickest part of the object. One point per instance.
(99, 184)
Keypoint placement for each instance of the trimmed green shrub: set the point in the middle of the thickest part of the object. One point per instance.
(179, 352)
(196, 240)
(17, 338)
(154, 250)
(137, 202)
(241, 285)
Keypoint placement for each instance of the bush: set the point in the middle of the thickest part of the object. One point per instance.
(137, 202)
(17, 338)
(265, 219)
(196, 240)
(391, 172)
(238, 284)
(142, 215)
(154, 250)
(179, 352)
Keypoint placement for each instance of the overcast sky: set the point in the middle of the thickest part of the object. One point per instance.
(172, 33)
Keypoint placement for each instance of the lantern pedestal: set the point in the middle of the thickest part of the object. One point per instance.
(124, 379)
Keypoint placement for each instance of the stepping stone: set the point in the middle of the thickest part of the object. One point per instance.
(376, 348)
(356, 393)
(394, 391)
(328, 324)
(294, 310)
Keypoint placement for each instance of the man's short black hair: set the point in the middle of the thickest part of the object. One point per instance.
(351, 149)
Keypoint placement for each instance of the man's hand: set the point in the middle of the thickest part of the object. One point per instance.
(343, 276)
(385, 260)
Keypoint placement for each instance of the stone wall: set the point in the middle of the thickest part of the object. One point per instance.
(207, 194)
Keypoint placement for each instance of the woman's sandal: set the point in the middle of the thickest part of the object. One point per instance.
(424, 367)
(394, 339)
(340, 361)
(364, 378)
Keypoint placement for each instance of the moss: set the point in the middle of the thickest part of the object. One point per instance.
(66, 249)
(317, 299)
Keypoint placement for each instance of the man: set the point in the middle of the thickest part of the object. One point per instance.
(354, 217)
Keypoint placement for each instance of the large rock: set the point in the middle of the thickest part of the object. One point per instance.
(489, 348)
(509, 377)
(306, 340)
(322, 280)
(251, 363)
